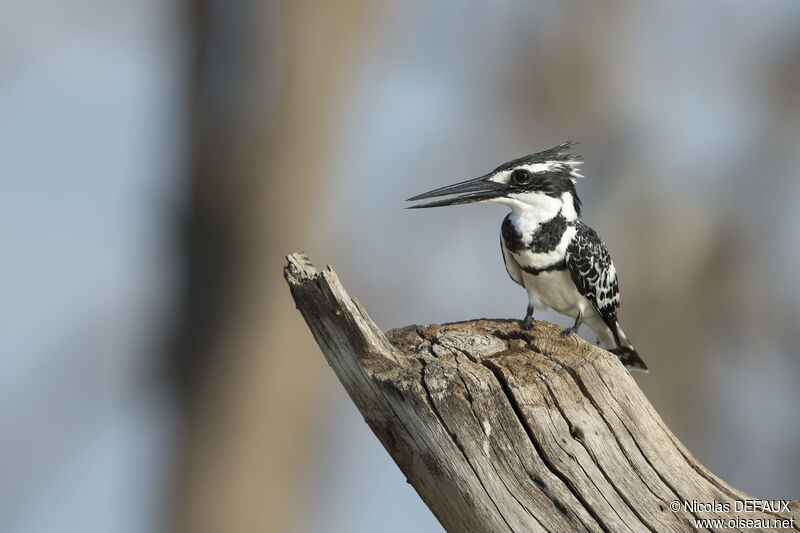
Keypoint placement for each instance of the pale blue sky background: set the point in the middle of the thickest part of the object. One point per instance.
(89, 143)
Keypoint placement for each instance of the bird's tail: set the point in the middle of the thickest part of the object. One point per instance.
(626, 352)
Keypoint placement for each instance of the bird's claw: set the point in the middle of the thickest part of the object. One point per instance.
(527, 323)
(567, 331)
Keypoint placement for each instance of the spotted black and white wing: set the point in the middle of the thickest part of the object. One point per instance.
(593, 273)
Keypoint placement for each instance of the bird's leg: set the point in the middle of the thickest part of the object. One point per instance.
(527, 323)
(575, 327)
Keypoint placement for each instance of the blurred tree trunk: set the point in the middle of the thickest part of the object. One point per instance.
(264, 82)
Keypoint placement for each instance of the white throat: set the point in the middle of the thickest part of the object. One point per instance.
(534, 208)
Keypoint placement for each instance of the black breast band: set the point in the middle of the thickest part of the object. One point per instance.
(560, 265)
(544, 239)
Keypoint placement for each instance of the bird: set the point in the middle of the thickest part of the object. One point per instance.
(560, 261)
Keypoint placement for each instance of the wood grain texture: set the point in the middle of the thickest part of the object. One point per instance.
(502, 429)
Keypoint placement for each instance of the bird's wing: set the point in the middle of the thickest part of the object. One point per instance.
(593, 273)
(512, 267)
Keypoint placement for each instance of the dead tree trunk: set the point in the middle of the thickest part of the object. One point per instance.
(502, 429)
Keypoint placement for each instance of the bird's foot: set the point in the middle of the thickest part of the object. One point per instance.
(527, 322)
(575, 327)
(567, 331)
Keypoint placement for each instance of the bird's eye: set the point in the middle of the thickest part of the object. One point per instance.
(520, 176)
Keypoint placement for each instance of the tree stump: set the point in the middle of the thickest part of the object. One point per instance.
(502, 429)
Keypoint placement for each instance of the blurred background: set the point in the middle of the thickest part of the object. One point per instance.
(159, 158)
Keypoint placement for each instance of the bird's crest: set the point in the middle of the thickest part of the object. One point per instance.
(558, 156)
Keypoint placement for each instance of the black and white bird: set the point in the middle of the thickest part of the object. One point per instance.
(559, 260)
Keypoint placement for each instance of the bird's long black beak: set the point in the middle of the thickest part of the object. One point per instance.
(475, 190)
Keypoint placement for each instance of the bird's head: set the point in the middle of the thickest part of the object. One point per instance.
(543, 182)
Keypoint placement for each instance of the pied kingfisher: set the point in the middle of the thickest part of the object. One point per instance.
(559, 260)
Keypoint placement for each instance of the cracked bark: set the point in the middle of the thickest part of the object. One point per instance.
(502, 429)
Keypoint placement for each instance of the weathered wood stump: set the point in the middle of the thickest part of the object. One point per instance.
(502, 429)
